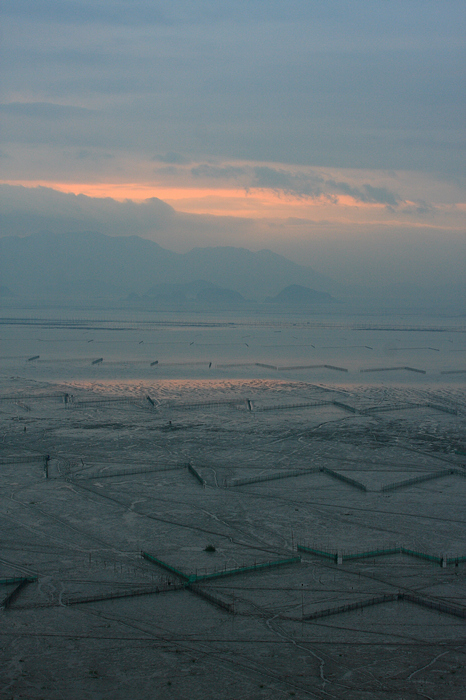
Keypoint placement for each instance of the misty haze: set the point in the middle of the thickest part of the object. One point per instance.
(232, 325)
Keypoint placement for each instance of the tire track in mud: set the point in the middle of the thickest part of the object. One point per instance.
(181, 524)
(245, 663)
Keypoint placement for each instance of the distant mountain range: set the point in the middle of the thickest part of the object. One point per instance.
(295, 294)
(93, 264)
(198, 291)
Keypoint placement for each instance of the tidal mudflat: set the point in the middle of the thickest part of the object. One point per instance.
(232, 508)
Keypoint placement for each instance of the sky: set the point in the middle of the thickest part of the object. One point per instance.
(330, 131)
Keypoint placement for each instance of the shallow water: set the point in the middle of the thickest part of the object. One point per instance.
(358, 349)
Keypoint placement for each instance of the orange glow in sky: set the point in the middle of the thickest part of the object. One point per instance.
(271, 208)
(254, 203)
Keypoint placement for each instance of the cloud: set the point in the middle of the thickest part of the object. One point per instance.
(298, 184)
(290, 183)
(366, 85)
(85, 154)
(213, 172)
(30, 210)
(87, 11)
(172, 158)
(47, 110)
(380, 195)
(366, 193)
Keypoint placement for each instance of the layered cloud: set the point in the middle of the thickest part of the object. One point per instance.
(298, 184)
(342, 85)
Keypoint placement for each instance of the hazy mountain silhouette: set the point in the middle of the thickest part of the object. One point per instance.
(197, 291)
(295, 294)
(89, 264)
